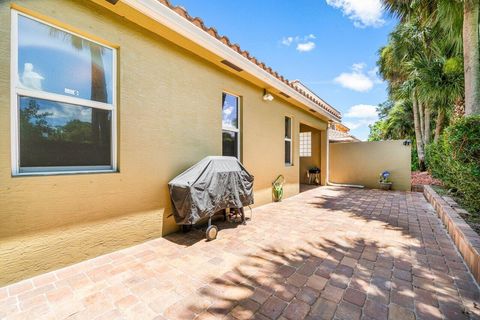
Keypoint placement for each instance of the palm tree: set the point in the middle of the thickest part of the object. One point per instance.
(398, 124)
(449, 15)
(471, 56)
(423, 65)
(397, 65)
(100, 126)
(440, 85)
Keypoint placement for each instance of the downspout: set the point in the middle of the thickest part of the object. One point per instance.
(327, 180)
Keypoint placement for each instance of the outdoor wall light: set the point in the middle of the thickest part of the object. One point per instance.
(407, 142)
(267, 96)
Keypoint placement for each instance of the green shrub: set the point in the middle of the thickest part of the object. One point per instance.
(455, 160)
(434, 156)
(414, 158)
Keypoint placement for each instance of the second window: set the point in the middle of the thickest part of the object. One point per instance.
(230, 125)
(288, 141)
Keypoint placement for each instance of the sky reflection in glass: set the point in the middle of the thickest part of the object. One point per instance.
(229, 111)
(55, 61)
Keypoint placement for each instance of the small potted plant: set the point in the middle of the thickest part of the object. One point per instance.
(277, 188)
(385, 183)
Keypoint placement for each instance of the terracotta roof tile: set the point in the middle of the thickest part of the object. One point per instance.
(212, 32)
(198, 22)
(338, 136)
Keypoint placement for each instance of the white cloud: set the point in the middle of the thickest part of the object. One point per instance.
(358, 124)
(286, 41)
(355, 81)
(305, 47)
(304, 43)
(362, 111)
(360, 115)
(363, 13)
(358, 80)
(61, 113)
(358, 67)
(352, 125)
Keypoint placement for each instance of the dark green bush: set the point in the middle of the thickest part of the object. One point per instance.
(414, 158)
(455, 160)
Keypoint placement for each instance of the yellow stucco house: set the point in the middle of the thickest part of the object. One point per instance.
(103, 102)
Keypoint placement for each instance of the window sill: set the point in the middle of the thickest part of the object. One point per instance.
(62, 173)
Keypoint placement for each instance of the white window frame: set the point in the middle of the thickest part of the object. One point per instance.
(16, 92)
(304, 138)
(290, 140)
(239, 123)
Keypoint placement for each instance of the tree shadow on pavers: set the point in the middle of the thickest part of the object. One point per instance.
(394, 208)
(276, 279)
(320, 279)
(409, 214)
(405, 212)
(270, 280)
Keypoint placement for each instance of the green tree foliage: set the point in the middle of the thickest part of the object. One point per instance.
(33, 123)
(455, 159)
(423, 66)
(396, 121)
(376, 131)
(77, 131)
(35, 127)
(432, 67)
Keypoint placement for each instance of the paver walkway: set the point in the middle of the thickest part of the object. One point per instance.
(328, 252)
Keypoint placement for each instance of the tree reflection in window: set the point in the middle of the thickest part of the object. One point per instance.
(60, 134)
(98, 83)
(230, 144)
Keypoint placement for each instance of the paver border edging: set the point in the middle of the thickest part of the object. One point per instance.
(466, 240)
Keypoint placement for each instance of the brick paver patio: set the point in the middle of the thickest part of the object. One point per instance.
(326, 253)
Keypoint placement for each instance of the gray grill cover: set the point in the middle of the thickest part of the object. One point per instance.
(213, 184)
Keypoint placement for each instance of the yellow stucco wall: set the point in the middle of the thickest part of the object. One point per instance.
(315, 160)
(169, 117)
(362, 162)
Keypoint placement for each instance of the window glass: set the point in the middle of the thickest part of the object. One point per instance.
(288, 141)
(230, 143)
(305, 144)
(61, 134)
(288, 128)
(52, 60)
(229, 111)
(288, 153)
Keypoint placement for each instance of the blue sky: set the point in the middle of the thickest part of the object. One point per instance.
(330, 45)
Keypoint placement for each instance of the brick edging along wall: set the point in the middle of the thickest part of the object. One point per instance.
(466, 240)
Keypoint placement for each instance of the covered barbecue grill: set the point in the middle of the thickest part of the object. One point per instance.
(208, 187)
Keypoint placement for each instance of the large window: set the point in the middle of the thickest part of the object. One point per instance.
(305, 144)
(288, 141)
(230, 125)
(63, 96)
